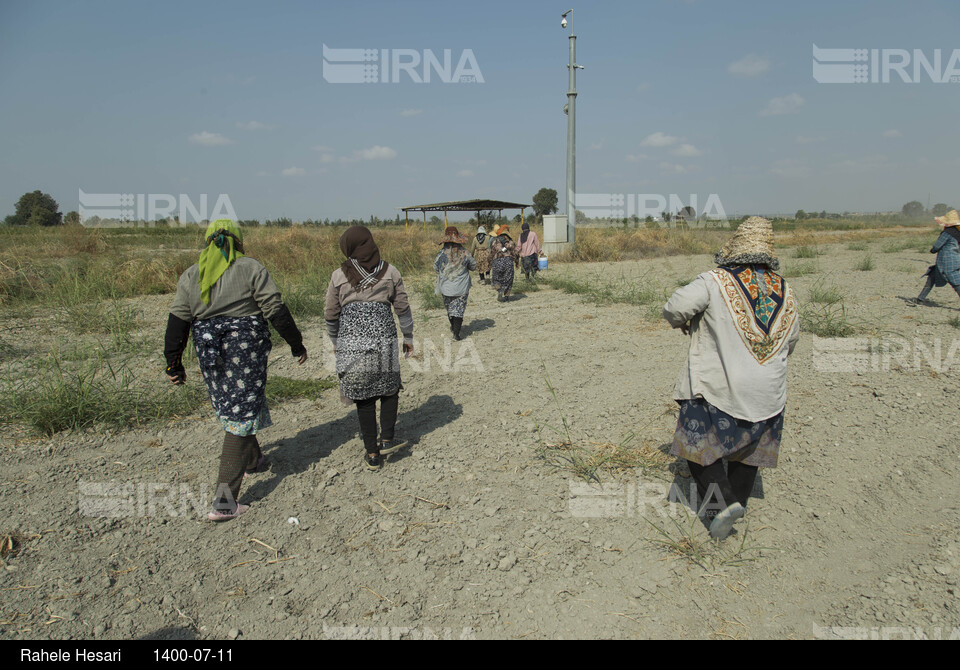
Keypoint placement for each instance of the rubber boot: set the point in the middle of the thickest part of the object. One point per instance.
(456, 323)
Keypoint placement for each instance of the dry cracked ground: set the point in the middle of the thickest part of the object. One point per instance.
(489, 526)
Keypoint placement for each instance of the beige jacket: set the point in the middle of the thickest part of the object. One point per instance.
(732, 363)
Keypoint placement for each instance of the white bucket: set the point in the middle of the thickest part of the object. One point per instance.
(542, 264)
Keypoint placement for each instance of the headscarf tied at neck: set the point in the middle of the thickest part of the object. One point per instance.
(363, 266)
(526, 232)
(224, 245)
(481, 234)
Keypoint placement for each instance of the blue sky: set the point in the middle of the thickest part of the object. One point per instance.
(676, 97)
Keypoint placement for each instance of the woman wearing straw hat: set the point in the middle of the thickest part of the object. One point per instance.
(947, 248)
(227, 299)
(480, 250)
(360, 323)
(503, 251)
(453, 265)
(742, 321)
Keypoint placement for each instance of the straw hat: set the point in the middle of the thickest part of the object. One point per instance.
(452, 235)
(751, 244)
(951, 218)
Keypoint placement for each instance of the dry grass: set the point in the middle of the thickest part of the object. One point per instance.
(587, 461)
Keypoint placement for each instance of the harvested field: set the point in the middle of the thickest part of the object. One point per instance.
(534, 500)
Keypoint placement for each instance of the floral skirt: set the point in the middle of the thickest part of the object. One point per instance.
(706, 434)
(232, 352)
(502, 273)
(456, 305)
(483, 261)
(368, 353)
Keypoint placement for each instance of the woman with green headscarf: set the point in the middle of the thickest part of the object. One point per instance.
(227, 299)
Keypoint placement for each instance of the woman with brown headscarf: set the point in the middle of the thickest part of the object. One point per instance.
(360, 323)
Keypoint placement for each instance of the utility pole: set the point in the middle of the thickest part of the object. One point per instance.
(570, 110)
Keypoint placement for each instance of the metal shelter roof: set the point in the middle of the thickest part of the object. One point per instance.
(465, 206)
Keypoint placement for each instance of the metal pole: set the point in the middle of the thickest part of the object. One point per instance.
(572, 139)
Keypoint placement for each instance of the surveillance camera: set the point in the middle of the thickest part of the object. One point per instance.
(563, 23)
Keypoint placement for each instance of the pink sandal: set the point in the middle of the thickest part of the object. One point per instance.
(220, 516)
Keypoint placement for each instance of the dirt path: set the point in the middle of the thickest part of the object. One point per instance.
(469, 534)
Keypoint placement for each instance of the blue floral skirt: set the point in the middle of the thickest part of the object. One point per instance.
(233, 352)
(706, 434)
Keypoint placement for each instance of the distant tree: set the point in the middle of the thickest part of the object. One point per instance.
(35, 209)
(435, 220)
(582, 218)
(488, 219)
(688, 213)
(913, 209)
(72, 218)
(800, 215)
(666, 216)
(545, 202)
(940, 209)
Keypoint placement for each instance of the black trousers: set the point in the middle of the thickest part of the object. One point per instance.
(367, 413)
(719, 489)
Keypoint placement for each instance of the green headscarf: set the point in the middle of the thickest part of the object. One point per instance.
(224, 246)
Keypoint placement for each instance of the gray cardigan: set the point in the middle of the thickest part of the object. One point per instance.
(453, 282)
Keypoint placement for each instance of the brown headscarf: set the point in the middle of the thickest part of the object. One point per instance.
(363, 266)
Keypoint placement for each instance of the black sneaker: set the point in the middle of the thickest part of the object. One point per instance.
(390, 446)
(374, 461)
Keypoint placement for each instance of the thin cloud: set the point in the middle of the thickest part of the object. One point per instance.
(636, 158)
(801, 139)
(788, 104)
(206, 139)
(673, 168)
(374, 153)
(892, 133)
(465, 173)
(293, 172)
(253, 125)
(687, 151)
(750, 65)
(789, 168)
(659, 139)
(411, 112)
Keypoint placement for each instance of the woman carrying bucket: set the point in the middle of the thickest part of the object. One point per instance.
(529, 250)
